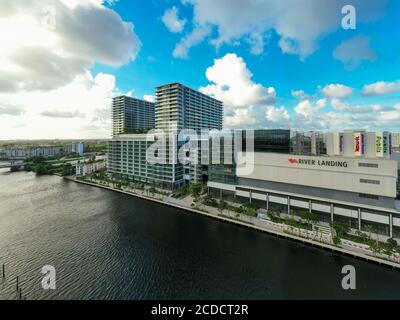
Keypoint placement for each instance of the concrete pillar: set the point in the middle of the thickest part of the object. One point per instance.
(331, 212)
(267, 201)
(309, 206)
(288, 204)
(359, 219)
(250, 195)
(390, 225)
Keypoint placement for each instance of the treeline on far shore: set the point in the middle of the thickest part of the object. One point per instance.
(41, 166)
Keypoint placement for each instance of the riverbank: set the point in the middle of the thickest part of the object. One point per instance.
(266, 226)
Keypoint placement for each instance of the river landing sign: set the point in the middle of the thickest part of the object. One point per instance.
(320, 163)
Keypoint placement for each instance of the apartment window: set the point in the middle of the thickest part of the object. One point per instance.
(369, 181)
(368, 165)
(368, 196)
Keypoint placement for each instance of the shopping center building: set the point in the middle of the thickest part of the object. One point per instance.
(354, 182)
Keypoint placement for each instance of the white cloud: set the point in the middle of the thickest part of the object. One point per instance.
(251, 105)
(308, 108)
(46, 88)
(195, 37)
(44, 49)
(243, 118)
(7, 108)
(337, 91)
(353, 51)
(245, 101)
(171, 20)
(81, 109)
(279, 115)
(380, 88)
(149, 98)
(300, 24)
(231, 82)
(339, 105)
(62, 114)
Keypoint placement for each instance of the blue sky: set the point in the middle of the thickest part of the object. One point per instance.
(272, 68)
(273, 63)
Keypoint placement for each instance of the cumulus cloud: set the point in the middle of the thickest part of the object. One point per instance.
(308, 108)
(243, 118)
(231, 82)
(355, 50)
(80, 109)
(149, 98)
(252, 105)
(380, 88)
(279, 115)
(46, 46)
(299, 24)
(337, 91)
(171, 20)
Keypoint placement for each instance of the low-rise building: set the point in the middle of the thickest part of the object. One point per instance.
(84, 168)
(23, 153)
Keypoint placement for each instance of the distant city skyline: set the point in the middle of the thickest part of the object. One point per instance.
(274, 64)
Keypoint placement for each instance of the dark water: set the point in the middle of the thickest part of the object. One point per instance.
(105, 245)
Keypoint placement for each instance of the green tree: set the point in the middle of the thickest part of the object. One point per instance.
(376, 247)
(41, 169)
(308, 216)
(391, 246)
(336, 240)
(341, 228)
(222, 206)
(195, 189)
(251, 211)
(370, 230)
(67, 169)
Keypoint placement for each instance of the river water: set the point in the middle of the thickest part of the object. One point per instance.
(106, 245)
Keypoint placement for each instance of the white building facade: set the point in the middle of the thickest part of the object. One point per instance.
(357, 190)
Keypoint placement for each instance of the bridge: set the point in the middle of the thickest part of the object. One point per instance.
(12, 164)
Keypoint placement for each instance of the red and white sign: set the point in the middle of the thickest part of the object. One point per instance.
(358, 144)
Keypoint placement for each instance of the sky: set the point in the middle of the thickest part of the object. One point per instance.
(300, 64)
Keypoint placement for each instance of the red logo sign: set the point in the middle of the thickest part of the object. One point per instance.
(293, 161)
(357, 149)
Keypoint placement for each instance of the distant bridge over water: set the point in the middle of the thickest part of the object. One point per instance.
(12, 164)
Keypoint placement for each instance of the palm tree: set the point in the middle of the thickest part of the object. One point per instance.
(369, 230)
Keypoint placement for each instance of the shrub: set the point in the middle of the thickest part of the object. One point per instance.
(336, 240)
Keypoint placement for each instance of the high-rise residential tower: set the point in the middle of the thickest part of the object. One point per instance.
(131, 115)
(179, 107)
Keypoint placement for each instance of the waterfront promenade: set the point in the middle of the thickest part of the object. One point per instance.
(314, 238)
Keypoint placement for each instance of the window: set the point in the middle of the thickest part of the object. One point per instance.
(368, 196)
(370, 181)
(368, 165)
